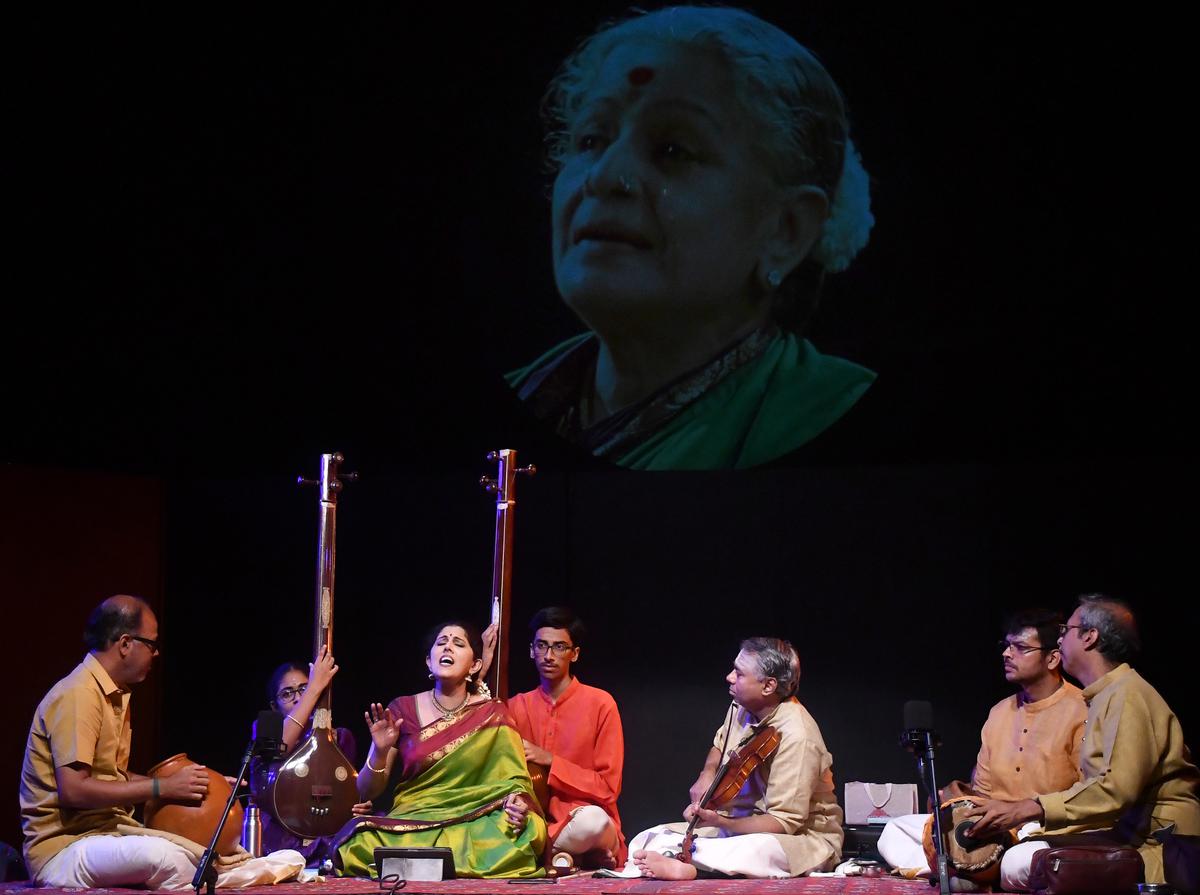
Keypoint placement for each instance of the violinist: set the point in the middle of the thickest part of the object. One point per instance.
(784, 819)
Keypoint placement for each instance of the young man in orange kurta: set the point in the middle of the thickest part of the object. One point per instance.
(575, 731)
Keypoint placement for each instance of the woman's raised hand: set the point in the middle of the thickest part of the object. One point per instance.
(490, 636)
(385, 729)
(321, 671)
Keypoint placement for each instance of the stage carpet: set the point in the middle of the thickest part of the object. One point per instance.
(570, 886)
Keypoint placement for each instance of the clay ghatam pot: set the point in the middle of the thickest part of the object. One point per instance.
(196, 821)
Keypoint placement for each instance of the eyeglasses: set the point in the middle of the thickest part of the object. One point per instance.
(1063, 629)
(541, 647)
(1023, 648)
(288, 693)
(151, 645)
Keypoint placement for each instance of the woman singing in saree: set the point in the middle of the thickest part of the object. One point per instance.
(457, 771)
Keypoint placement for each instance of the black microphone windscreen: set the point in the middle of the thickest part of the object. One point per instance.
(918, 715)
(269, 726)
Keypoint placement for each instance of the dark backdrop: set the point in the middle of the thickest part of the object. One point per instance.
(243, 240)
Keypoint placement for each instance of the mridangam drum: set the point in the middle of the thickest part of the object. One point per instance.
(974, 859)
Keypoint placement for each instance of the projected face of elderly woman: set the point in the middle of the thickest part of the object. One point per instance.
(700, 156)
(668, 224)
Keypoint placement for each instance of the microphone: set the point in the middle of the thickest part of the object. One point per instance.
(918, 715)
(922, 741)
(268, 734)
(918, 727)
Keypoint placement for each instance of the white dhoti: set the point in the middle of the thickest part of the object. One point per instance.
(589, 828)
(98, 862)
(1016, 862)
(757, 855)
(153, 862)
(901, 843)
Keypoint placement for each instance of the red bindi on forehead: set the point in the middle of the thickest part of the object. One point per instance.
(640, 75)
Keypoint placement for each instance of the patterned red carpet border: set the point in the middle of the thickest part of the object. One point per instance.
(825, 886)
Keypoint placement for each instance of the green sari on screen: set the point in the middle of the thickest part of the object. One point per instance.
(761, 398)
(451, 778)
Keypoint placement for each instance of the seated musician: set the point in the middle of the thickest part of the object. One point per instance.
(1138, 786)
(575, 732)
(77, 793)
(785, 821)
(451, 768)
(1029, 744)
(293, 691)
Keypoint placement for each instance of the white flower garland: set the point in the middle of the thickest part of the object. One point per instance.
(850, 220)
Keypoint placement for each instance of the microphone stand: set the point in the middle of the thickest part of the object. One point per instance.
(922, 744)
(206, 873)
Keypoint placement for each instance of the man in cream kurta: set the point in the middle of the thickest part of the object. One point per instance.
(785, 821)
(1029, 744)
(1137, 776)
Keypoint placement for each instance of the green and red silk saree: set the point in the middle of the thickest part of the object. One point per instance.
(450, 781)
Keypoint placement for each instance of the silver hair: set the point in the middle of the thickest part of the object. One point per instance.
(798, 116)
(775, 658)
(1113, 621)
(798, 110)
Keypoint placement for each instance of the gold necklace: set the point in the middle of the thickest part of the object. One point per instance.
(448, 714)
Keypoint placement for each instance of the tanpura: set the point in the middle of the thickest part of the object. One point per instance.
(504, 486)
(314, 792)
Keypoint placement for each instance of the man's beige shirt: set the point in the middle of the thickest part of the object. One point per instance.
(1137, 775)
(83, 719)
(794, 786)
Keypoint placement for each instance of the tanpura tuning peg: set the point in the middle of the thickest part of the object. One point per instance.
(527, 470)
(492, 456)
(301, 480)
(348, 476)
(489, 485)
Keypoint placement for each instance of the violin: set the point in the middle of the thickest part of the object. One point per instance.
(731, 777)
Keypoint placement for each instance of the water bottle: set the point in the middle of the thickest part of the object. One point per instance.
(252, 831)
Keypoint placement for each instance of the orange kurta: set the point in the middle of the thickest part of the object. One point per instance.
(1029, 748)
(582, 730)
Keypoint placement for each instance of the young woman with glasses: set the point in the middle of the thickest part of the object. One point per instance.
(293, 690)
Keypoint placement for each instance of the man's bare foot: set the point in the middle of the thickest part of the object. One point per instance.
(657, 866)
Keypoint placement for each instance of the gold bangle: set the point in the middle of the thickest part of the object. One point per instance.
(294, 721)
